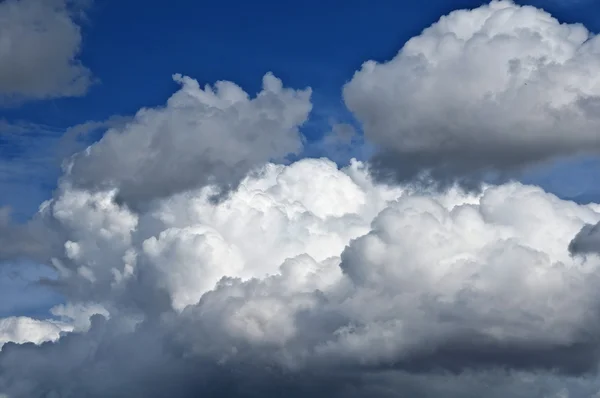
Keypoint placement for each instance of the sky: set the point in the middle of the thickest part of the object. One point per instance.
(384, 199)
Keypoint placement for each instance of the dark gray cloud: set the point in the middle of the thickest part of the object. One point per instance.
(587, 241)
(106, 361)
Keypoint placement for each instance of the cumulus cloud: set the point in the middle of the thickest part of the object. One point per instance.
(28, 330)
(490, 89)
(306, 267)
(307, 279)
(40, 41)
(202, 136)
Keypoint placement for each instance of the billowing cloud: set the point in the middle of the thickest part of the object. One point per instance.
(202, 136)
(306, 267)
(39, 45)
(490, 89)
(310, 280)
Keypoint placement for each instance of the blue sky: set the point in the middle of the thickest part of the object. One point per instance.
(133, 48)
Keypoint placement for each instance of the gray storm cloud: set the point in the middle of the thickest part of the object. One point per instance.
(308, 279)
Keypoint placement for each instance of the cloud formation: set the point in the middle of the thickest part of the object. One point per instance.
(304, 268)
(490, 89)
(202, 136)
(311, 279)
(40, 41)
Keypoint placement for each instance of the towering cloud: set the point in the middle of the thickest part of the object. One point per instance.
(489, 89)
(39, 44)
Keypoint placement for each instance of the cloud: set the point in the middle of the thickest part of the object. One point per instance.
(307, 279)
(39, 45)
(495, 88)
(69, 318)
(25, 330)
(587, 241)
(303, 268)
(202, 136)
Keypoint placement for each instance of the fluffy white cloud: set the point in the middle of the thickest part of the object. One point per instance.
(27, 330)
(68, 318)
(39, 44)
(496, 87)
(186, 243)
(306, 266)
(201, 137)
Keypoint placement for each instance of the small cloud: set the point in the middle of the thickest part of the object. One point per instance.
(40, 41)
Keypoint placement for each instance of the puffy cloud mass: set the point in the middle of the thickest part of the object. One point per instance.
(202, 136)
(312, 273)
(39, 44)
(307, 278)
(493, 88)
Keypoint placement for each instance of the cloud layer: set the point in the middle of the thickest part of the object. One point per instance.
(494, 88)
(39, 45)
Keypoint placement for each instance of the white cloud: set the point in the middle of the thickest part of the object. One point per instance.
(186, 243)
(497, 87)
(68, 318)
(39, 45)
(323, 266)
(25, 330)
